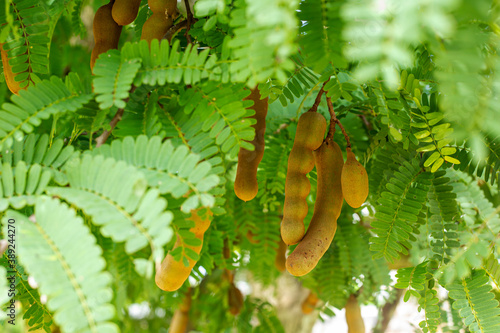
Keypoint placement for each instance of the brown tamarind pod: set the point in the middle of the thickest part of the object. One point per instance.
(106, 32)
(166, 7)
(309, 303)
(245, 184)
(180, 319)
(13, 86)
(155, 27)
(354, 181)
(173, 273)
(235, 299)
(355, 323)
(280, 260)
(125, 11)
(309, 136)
(319, 236)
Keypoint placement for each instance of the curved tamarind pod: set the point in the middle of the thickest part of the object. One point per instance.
(309, 136)
(305, 257)
(180, 319)
(155, 27)
(353, 317)
(13, 86)
(309, 303)
(280, 260)
(245, 184)
(125, 11)
(354, 181)
(172, 273)
(106, 32)
(235, 299)
(166, 7)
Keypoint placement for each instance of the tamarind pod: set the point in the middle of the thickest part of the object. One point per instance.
(309, 136)
(280, 260)
(179, 322)
(124, 12)
(354, 181)
(235, 299)
(172, 274)
(186, 302)
(310, 130)
(305, 257)
(309, 303)
(353, 317)
(165, 7)
(13, 86)
(106, 32)
(180, 319)
(155, 27)
(245, 184)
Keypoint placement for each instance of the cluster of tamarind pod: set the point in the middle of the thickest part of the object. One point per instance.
(110, 18)
(336, 181)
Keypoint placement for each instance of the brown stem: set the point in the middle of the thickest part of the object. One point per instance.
(314, 108)
(387, 313)
(174, 29)
(101, 139)
(335, 120)
(189, 20)
(367, 124)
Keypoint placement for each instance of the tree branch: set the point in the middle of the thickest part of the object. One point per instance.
(335, 120)
(314, 108)
(189, 20)
(174, 29)
(101, 139)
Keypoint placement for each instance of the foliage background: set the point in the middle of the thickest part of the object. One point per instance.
(413, 82)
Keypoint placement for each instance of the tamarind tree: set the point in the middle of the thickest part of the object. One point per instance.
(125, 123)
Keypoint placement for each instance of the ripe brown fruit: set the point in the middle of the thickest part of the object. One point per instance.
(280, 260)
(245, 184)
(353, 317)
(180, 319)
(309, 136)
(125, 11)
(166, 7)
(173, 273)
(106, 32)
(354, 181)
(155, 27)
(305, 257)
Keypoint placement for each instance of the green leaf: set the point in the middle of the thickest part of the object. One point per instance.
(77, 267)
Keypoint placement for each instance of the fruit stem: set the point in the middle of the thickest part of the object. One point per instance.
(314, 108)
(334, 120)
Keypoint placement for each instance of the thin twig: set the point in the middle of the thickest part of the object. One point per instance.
(174, 29)
(101, 139)
(367, 124)
(336, 121)
(189, 20)
(314, 108)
